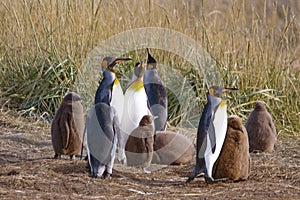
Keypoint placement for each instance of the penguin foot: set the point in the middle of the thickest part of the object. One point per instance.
(57, 156)
(145, 170)
(94, 176)
(106, 176)
(123, 162)
(210, 180)
(87, 167)
(196, 173)
(190, 179)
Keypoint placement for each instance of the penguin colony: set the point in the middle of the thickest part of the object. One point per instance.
(133, 124)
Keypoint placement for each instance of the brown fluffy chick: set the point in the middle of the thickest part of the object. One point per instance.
(139, 146)
(67, 127)
(261, 129)
(171, 148)
(234, 160)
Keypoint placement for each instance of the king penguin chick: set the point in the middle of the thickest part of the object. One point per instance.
(211, 133)
(234, 160)
(139, 146)
(156, 93)
(110, 90)
(171, 148)
(103, 132)
(261, 129)
(67, 127)
(135, 107)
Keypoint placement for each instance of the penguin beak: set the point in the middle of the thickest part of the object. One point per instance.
(148, 52)
(228, 89)
(118, 60)
(150, 58)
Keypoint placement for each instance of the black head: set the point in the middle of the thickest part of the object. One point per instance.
(139, 69)
(151, 62)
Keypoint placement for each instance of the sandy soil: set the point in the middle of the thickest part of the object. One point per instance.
(27, 171)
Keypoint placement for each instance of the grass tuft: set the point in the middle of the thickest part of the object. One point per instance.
(43, 45)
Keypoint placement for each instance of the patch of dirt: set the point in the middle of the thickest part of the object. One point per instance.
(29, 171)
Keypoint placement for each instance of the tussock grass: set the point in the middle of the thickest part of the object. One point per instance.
(43, 45)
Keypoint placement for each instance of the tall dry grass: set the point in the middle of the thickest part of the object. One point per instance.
(43, 45)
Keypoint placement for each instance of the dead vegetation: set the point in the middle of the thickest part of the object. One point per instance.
(28, 171)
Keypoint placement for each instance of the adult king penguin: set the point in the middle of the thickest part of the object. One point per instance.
(135, 107)
(110, 90)
(156, 93)
(103, 131)
(211, 133)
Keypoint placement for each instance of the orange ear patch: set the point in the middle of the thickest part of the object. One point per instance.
(104, 64)
(211, 92)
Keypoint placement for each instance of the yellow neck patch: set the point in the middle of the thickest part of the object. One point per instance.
(137, 85)
(116, 82)
(222, 104)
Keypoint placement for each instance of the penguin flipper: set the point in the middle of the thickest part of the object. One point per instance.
(212, 136)
(103, 93)
(116, 125)
(65, 129)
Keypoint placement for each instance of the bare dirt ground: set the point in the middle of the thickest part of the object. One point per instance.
(27, 171)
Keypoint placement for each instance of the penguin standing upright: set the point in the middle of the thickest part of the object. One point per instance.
(103, 133)
(67, 126)
(139, 146)
(135, 107)
(261, 129)
(102, 124)
(110, 90)
(156, 93)
(211, 133)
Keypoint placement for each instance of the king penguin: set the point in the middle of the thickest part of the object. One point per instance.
(103, 132)
(234, 160)
(67, 126)
(211, 133)
(156, 93)
(110, 90)
(261, 129)
(135, 107)
(139, 146)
